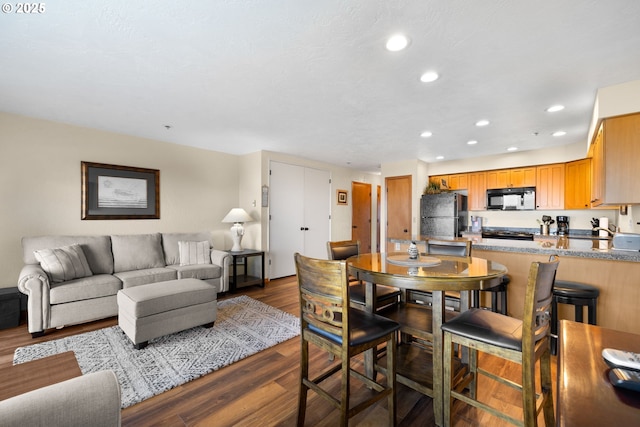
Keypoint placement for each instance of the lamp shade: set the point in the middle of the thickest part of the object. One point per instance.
(237, 215)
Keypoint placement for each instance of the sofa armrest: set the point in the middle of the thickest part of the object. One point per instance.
(223, 259)
(34, 282)
(88, 400)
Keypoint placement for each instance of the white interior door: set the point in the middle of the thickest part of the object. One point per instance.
(317, 202)
(299, 215)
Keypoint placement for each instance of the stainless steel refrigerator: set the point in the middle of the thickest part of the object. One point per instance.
(443, 215)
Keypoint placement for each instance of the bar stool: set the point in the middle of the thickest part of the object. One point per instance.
(497, 291)
(577, 294)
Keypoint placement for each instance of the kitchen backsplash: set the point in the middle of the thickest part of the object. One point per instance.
(578, 219)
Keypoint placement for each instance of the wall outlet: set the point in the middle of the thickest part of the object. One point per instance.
(397, 246)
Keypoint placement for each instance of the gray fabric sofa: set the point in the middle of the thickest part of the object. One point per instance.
(88, 400)
(85, 290)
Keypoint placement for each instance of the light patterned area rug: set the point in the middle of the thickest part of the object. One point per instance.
(244, 327)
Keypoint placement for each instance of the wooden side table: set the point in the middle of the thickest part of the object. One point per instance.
(244, 279)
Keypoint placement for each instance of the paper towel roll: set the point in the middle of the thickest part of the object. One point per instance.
(604, 223)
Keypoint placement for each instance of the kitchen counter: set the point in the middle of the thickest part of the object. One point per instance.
(547, 245)
(552, 245)
(615, 273)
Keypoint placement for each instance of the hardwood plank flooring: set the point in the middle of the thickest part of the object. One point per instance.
(262, 390)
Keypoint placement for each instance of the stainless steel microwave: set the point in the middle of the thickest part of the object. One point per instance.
(511, 199)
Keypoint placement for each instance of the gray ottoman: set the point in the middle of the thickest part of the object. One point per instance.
(150, 311)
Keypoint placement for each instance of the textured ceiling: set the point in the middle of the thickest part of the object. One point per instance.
(312, 78)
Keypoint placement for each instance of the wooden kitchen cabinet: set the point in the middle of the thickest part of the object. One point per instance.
(577, 184)
(458, 182)
(507, 178)
(615, 160)
(453, 182)
(550, 186)
(477, 194)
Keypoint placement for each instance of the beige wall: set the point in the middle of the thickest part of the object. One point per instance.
(40, 185)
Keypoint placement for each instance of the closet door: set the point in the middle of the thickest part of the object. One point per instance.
(299, 216)
(317, 201)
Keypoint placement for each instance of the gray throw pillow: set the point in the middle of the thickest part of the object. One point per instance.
(194, 253)
(63, 263)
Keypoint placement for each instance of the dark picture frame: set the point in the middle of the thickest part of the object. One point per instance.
(119, 192)
(342, 197)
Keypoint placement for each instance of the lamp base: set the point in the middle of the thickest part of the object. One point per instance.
(237, 231)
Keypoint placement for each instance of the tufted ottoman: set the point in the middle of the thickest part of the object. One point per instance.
(150, 311)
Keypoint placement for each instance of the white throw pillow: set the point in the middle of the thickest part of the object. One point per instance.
(194, 253)
(64, 263)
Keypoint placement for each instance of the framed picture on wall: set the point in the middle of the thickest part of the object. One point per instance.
(342, 197)
(119, 192)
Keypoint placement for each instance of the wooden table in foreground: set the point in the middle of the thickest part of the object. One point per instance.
(28, 376)
(585, 395)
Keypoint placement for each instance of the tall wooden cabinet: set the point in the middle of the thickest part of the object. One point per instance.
(615, 160)
(577, 184)
(550, 186)
(477, 194)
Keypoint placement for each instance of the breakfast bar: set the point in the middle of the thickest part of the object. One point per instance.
(591, 261)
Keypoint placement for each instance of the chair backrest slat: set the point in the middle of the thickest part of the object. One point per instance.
(460, 248)
(343, 249)
(537, 305)
(324, 295)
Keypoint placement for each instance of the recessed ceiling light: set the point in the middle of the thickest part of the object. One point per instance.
(426, 134)
(472, 142)
(482, 122)
(397, 42)
(439, 157)
(512, 149)
(555, 108)
(559, 133)
(429, 76)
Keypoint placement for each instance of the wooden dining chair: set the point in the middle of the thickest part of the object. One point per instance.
(523, 341)
(456, 248)
(329, 322)
(415, 316)
(385, 295)
(496, 287)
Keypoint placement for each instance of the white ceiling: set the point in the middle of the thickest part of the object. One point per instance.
(312, 78)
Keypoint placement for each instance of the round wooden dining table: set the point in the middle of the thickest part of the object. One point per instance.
(431, 273)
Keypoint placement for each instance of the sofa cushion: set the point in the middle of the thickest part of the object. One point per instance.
(143, 277)
(170, 244)
(197, 271)
(194, 252)
(97, 249)
(96, 286)
(63, 263)
(137, 252)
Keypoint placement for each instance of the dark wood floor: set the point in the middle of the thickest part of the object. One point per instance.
(262, 390)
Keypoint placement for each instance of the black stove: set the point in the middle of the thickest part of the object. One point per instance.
(506, 234)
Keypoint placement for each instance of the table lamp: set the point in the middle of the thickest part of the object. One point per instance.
(237, 216)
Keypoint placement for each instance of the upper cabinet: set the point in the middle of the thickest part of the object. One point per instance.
(550, 186)
(451, 182)
(506, 178)
(615, 160)
(577, 184)
(458, 181)
(477, 196)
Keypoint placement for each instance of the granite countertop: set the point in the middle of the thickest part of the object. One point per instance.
(549, 245)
